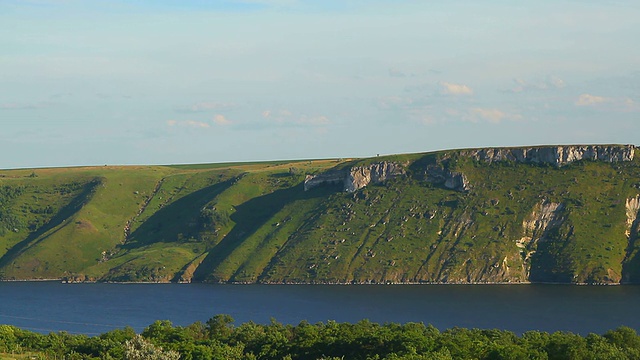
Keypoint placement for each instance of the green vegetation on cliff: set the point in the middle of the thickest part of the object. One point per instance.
(463, 216)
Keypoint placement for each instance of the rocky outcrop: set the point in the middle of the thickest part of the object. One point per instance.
(554, 155)
(357, 177)
(632, 232)
(632, 206)
(450, 179)
(361, 176)
(544, 217)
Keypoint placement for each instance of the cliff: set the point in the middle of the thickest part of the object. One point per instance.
(559, 214)
(554, 155)
(357, 177)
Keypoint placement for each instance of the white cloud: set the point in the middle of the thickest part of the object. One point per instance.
(587, 100)
(279, 116)
(624, 104)
(197, 124)
(494, 116)
(221, 120)
(455, 89)
(287, 117)
(629, 105)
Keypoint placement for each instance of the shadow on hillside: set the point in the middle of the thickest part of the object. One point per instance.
(252, 215)
(419, 166)
(177, 219)
(551, 263)
(65, 213)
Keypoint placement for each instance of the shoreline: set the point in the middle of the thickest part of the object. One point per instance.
(63, 281)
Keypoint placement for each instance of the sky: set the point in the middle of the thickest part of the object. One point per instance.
(99, 82)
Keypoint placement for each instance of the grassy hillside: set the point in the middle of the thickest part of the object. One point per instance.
(254, 222)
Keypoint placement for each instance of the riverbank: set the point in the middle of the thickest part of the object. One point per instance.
(67, 281)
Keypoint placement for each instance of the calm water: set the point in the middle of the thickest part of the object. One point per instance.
(97, 308)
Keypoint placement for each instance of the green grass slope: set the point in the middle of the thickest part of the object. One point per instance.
(254, 222)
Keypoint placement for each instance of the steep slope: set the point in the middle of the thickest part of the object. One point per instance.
(565, 214)
(448, 217)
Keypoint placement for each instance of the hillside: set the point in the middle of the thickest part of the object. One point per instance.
(566, 214)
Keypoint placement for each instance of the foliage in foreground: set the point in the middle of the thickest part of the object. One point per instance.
(219, 339)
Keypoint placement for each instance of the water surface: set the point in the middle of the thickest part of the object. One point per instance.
(96, 308)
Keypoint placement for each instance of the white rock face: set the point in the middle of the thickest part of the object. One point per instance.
(632, 206)
(554, 155)
(356, 177)
(362, 176)
(543, 217)
(457, 181)
(450, 179)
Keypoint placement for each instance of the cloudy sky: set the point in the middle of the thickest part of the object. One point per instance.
(159, 82)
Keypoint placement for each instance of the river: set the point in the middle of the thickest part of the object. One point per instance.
(96, 308)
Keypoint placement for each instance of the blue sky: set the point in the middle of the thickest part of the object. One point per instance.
(160, 82)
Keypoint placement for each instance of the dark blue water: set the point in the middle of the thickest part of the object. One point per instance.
(96, 308)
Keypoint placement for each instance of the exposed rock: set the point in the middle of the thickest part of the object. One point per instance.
(554, 155)
(632, 206)
(457, 181)
(632, 231)
(360, 176)
(450, 179)
(544, 217)
(357, 177)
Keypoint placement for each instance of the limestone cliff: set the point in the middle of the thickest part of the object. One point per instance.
(632, 207)
(544, 217)
(632, 231)
(554, 155)
(633, 222)
(360, 176)
(357, 177)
